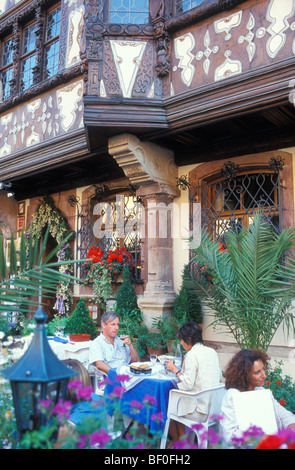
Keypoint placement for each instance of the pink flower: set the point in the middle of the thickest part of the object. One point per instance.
(45, 403)
(158, 417)
(62, 409)
(117, 392)
(123, 378)
(75, 384)
(105, 381)
(148, 400)
(85, 393)
(82, 441)
(100, 438)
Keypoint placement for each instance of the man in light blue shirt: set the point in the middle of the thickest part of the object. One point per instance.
(107, 350)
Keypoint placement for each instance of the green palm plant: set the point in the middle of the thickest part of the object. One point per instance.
(249, 284)
(23, 284)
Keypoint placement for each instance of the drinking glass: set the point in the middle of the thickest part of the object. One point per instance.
(153, 358)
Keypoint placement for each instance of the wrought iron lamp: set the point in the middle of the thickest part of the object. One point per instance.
(38, 375)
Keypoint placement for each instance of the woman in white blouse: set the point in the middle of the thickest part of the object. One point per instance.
(246, 371)
(200, 371)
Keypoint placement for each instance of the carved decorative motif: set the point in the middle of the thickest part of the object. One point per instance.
(246, 39)
(41, 119)
(143, 162)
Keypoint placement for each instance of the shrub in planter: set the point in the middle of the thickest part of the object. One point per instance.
(187, 304)
(80, 321)
(126, 299)
(168, 328)
(155, 344)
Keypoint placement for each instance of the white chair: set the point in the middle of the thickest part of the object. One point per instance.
(97, 379)
(214, 397)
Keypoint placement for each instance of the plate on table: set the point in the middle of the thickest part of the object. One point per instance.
(141, 368)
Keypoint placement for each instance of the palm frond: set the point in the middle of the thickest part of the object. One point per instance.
(248, 287)
(22, 286)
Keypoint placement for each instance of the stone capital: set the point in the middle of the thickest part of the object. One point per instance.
(145, 163)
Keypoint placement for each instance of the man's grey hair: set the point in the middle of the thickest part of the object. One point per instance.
(109, 315)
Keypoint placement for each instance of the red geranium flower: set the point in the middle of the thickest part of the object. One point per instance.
(270, 442)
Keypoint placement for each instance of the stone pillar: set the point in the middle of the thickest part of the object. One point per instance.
(152, 168)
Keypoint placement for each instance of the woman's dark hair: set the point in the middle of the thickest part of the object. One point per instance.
(190, 333)
(238, 370)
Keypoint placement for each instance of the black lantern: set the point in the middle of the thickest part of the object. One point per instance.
(38, 375)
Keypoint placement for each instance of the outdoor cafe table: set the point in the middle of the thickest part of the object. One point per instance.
(65, 349)
(157, 385)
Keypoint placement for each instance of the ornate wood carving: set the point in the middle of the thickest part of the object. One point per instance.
(15, 56)
(37, 70)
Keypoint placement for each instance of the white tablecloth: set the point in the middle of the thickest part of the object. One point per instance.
(71, 350)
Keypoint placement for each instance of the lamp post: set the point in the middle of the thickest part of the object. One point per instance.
(38, 375)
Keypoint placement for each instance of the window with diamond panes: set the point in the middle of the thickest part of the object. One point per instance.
(129, 11)
(7, 69)
(52, 43)
(185, 5)
(110, 223)
(230, 203)
(28, 60)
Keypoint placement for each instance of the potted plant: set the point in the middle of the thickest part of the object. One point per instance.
(252, 281)
(102, 268)
(126, 299)
(154, 343)
(168, 328)
(80, 325)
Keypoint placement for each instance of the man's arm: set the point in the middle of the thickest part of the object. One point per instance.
(134, 354)
(102, 366)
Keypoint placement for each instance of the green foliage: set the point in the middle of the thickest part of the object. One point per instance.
(187, 304)
(126, 299)
(130, 322)
(36, 274)
(129, 313)
(58, 324)
(167, 326)
(250, 285)
(102, 287)
(8, 432)
(154, 340)
(4, 326)
(282, 387)
(80, 321)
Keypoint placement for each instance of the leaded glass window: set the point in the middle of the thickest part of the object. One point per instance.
(129, 11)
(7, 70)
(184, 5)
(28, 61)
(36, 47)
(110, 222)
(52, 43)
(231, 201)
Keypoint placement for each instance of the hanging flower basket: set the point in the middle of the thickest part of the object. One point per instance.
(103, 268)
